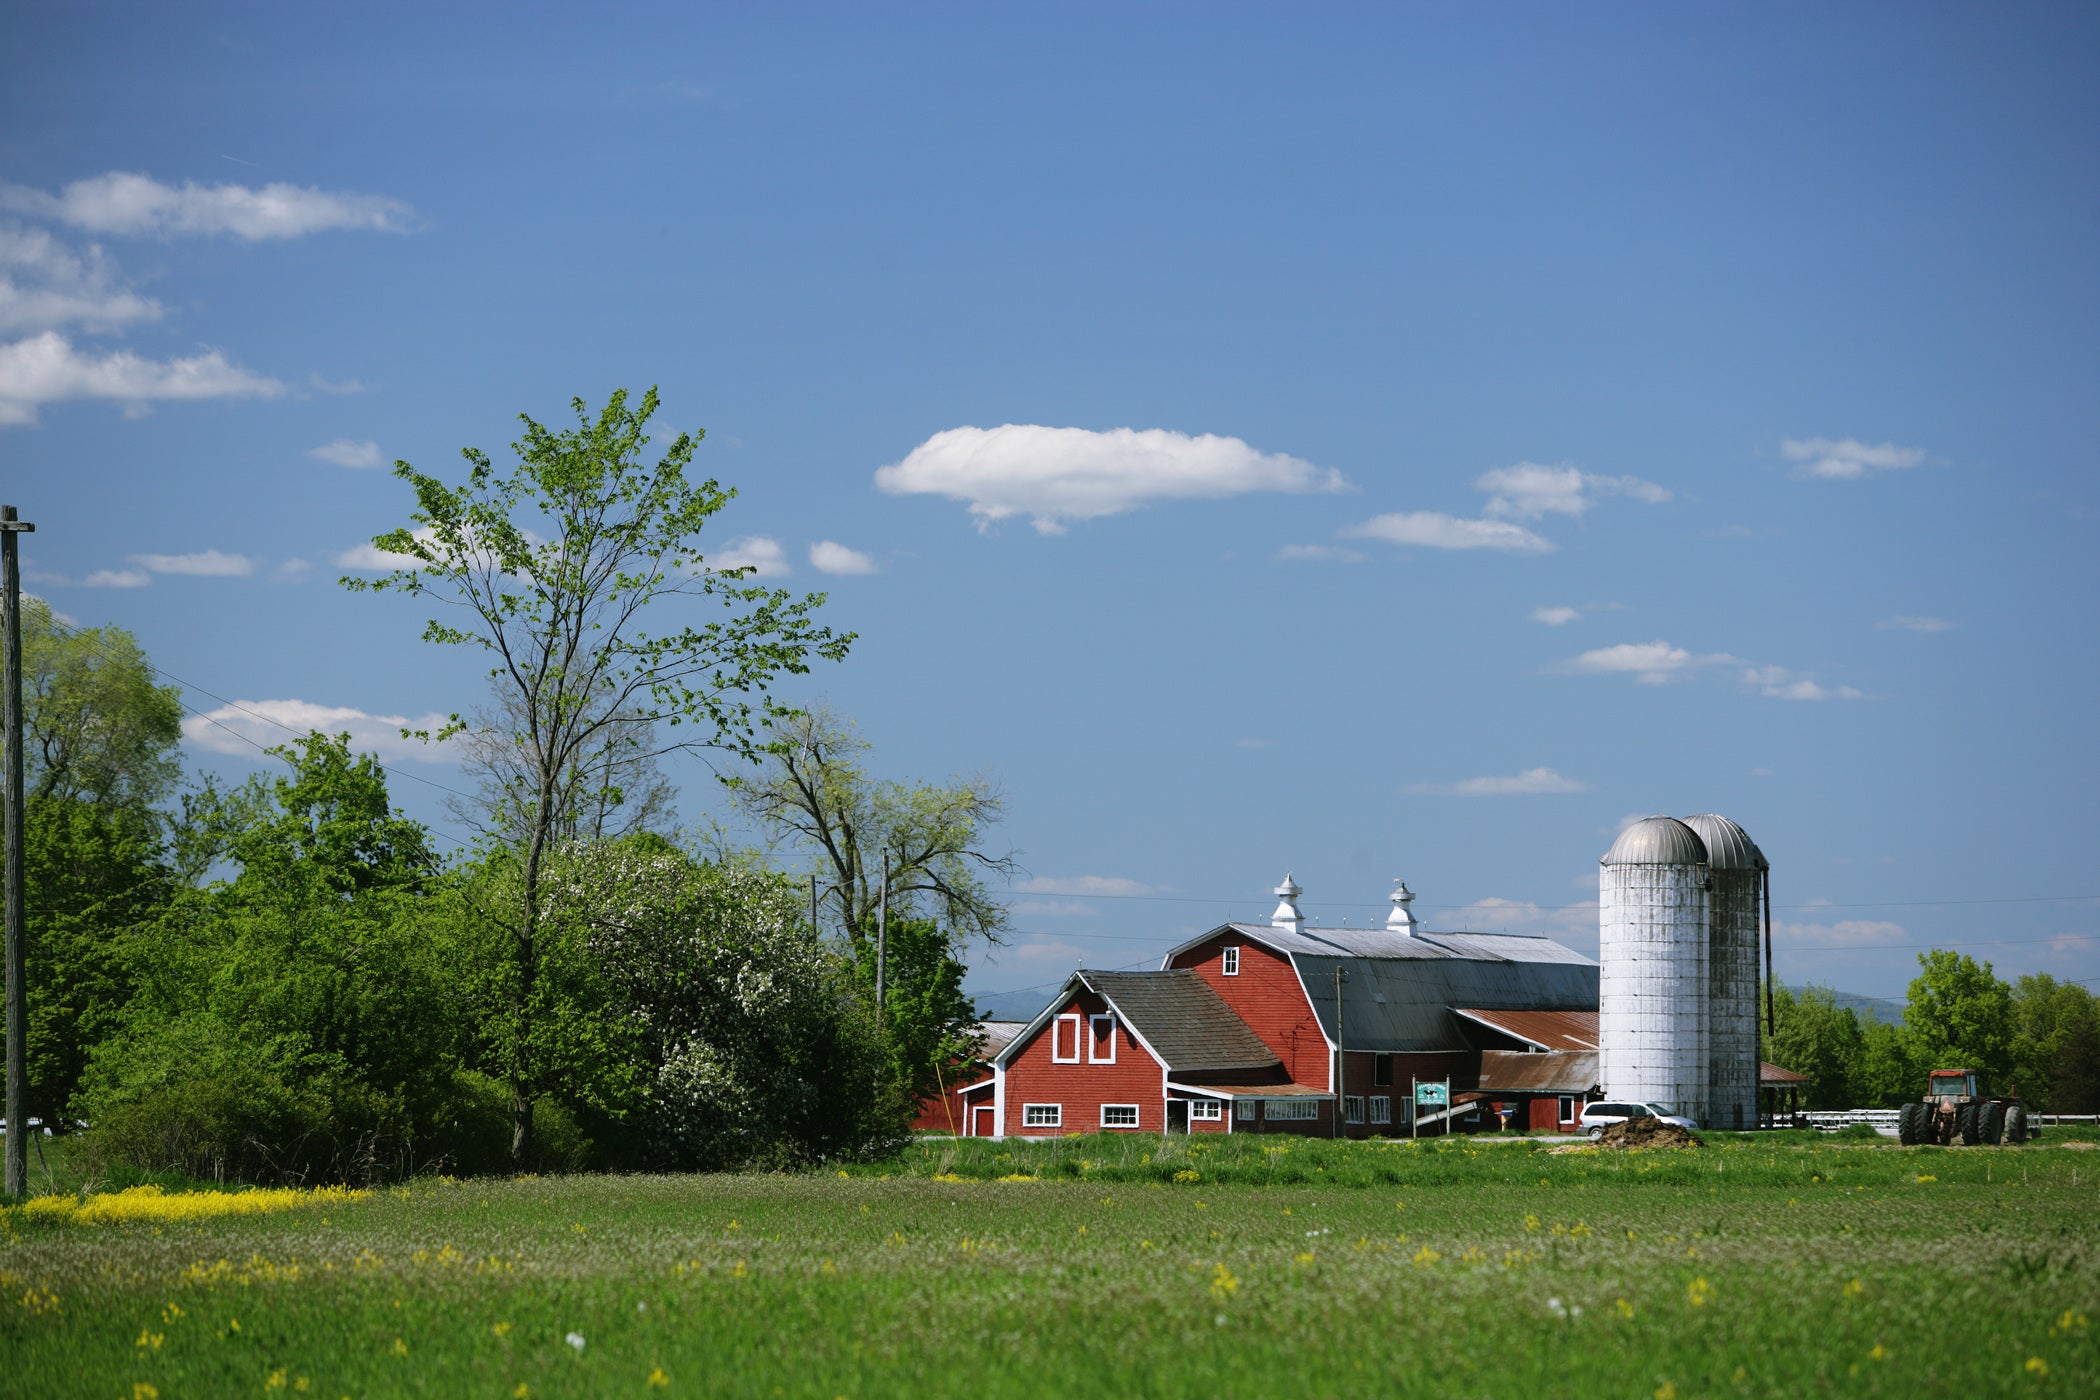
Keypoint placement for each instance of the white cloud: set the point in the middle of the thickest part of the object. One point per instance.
(46, 368)
(1497, 915)
(761, 554)
(118, 578)
(1430, 529)
(1531, 780)
(1779, 683)
(209, 563)
(345, 453)
(368, 558)
(1843, 931)
(1555, 617)
(1529, 491)
(1651, 663)
(831, 557)
(1844, 459)
(273, 722)
(1082, 884)
(1058, 475)
(1915, 624)
(123, 203)
(292, 571)
(1318, 554)
(44, 285)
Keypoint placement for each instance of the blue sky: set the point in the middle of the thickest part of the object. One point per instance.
(1534, 418)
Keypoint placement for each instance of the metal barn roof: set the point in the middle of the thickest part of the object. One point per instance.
(1522, 1072)
(1182, 1019)
(1548, 1030)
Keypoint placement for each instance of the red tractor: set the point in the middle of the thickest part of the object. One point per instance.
(1957, 1109)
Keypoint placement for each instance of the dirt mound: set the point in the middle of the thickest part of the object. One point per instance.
(1647, 1132)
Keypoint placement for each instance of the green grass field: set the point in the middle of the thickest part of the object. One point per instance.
(1242, 1266)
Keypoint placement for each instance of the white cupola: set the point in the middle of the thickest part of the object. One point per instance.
(1287, 915)
(1402, 920)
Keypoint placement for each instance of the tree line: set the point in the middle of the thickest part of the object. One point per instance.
(2037, 1038)
(286, 979)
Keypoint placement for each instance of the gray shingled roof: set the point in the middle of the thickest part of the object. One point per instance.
(1180, 1017)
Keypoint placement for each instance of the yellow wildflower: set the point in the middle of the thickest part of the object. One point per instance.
(656, 1375)
(1698, 1292)
(2037, 1367)
(1222, 1283)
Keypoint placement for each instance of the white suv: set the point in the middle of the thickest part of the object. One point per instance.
(1596, 1117)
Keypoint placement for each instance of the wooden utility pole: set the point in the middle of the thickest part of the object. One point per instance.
(17, 1171)
(1341, 1056)
(882, 936)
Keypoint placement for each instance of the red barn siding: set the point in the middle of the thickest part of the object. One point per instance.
(1135, 1077)
(1268, 997)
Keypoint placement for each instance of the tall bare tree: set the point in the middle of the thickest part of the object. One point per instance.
(550, 569)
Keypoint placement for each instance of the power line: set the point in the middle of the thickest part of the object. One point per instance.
(1352, 904)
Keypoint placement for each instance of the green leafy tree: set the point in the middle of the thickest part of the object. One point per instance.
(928, 1024)
(293, 1020)
(1960, 1016)
(2057, 1044)
(95, 726)
(1888, 1074)
(552, 570)
(1815, 1036)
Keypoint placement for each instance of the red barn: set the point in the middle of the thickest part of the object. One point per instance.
(1246, 1028)
(948, 1112)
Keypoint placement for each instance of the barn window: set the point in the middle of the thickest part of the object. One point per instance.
(1381, 1108)
(1244, 1110)
(1232, 961)
(1355, 1108)
(1567, 1109)
(1288, 1110)
(1381, 1070)
(1042, 1115)
(1064, 1040)
(1119, 1115)
(1206, 1111)
(1101, 1047)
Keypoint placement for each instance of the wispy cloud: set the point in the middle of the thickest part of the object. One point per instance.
(1495, 914)
(1844, 459)
(1054, 909)
(1428, 529)
(345, 452)
(1056, 476)
(761, 554)
(1871, 931)
(45, 285)
(368, 558)
(831, 557)
(1650, 663)
(1528, 491)
(1555, 617)
(1318, 554)
(209, 563)
(117, 578)
(47, 369)
(1082, 884)
(1779, 683)
(1530, 781)
(133, 204)
(1915, 624)
(237, 728)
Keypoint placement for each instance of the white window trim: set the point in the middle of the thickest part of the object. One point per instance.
(1243, 1110)
(1206, 1111)
(1231, 960)
(1353, 1108)
(1293, 1110)
(1137, 1113)
(1056, 1024)
(1094, 1038)
(1055, 1110)
(1567, 1113)
(1381, 1108)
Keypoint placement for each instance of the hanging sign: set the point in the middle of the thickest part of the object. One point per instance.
(1433, 1095)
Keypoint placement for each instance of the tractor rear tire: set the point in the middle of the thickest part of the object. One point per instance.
(2016, 1124)
(1909, 1127)
(1966, 1125)
(1991, 1122)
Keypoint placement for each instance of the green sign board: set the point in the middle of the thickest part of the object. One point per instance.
(1433, 1095)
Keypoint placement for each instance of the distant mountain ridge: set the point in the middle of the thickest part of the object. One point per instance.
(1866, 1008)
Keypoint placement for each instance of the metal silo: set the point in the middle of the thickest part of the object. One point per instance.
(1737, 867)
(1653, 981)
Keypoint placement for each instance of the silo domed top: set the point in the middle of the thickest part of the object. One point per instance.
(1728, 846)
(1657, 841)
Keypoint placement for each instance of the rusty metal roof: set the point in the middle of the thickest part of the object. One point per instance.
(1251, 1091)
(1527, 1072)
(1769, 1073)
(1549, 1030)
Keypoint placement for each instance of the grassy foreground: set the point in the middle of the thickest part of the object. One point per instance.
(1120, 1266)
